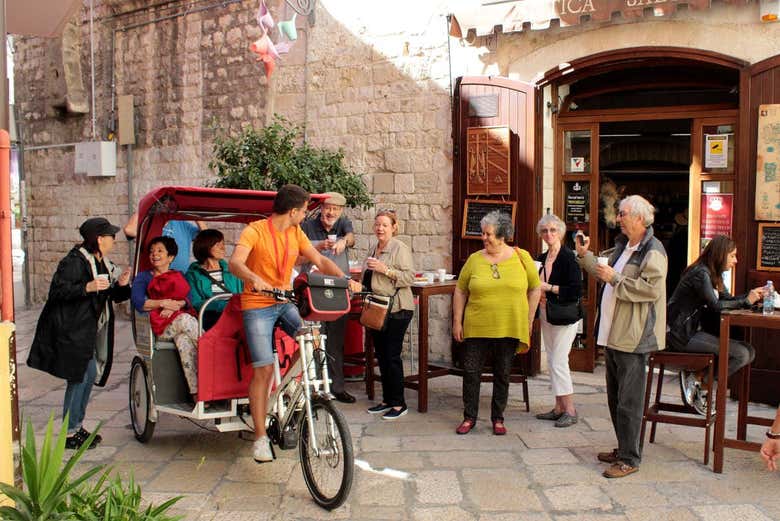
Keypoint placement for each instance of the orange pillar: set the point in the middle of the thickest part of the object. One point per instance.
(6, 264)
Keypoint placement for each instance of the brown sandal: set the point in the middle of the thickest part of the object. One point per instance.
(466, 426)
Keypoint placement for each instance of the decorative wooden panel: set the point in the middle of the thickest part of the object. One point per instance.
(487, 160)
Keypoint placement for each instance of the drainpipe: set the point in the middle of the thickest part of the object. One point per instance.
(6, 264)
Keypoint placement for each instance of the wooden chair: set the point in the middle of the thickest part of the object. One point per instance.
(656, 412)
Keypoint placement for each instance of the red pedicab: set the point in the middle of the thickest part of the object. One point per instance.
(301, 412)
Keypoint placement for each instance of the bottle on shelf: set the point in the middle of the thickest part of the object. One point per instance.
(769, 298)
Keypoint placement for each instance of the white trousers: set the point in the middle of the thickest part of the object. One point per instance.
(557, 342)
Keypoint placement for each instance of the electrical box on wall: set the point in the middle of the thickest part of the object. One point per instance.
(96, 158)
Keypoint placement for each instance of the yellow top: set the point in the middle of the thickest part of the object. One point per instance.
(498, 307)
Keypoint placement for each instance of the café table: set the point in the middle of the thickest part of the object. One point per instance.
(749, 319)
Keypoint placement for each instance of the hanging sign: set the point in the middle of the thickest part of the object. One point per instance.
(716, 215)
(716, 151)
(768, 155)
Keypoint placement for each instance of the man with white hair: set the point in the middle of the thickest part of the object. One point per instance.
(631, 323)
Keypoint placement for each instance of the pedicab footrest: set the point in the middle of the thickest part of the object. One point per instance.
(321, 297)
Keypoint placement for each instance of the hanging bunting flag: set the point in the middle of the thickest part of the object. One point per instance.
(288, 29)
(264, 18)
(265, 51)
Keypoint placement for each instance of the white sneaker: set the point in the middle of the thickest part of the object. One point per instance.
(261, 450)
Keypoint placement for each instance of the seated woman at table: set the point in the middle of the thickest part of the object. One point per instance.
(389, 271)
(699, 291)
(163, 292)
(493, 309)
(209, 275)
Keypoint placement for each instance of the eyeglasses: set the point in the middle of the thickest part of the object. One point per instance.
(494, 269)
(548, 230)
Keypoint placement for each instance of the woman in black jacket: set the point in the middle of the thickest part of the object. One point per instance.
(561, 282)
(74, 338)
(700, 291)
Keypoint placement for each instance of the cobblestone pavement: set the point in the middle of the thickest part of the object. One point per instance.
(416, 468)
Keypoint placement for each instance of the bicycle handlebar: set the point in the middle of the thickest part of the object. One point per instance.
(280, 294)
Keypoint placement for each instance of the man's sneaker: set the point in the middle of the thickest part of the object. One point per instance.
(75, 441)
(619, 469)
(86, 434)
(379, 408)
(394, 414)
(261, 450)
(608, 457)
(688, 386)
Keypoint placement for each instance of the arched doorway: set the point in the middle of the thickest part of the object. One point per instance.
(639, 121)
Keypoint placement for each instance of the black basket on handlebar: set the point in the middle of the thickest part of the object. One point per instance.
(321, 297)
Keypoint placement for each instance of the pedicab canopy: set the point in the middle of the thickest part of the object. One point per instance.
(192, 203)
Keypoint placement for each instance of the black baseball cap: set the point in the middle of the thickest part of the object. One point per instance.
(96, 227)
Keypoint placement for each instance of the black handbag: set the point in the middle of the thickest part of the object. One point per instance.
(563, 313)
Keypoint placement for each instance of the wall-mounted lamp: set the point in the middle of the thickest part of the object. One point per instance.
(553, 108)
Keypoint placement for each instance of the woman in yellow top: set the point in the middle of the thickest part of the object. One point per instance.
(492, 311)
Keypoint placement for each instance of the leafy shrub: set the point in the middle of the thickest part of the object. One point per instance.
(50, 495)
(271, 157)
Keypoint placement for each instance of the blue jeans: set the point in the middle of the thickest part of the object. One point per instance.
(77, 398)
(259, 327)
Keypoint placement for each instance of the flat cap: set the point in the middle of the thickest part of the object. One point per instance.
(335, 198)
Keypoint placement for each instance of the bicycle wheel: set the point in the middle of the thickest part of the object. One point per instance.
(140, 401)
(329, 467)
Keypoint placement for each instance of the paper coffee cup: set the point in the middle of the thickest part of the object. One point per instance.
(603, 260)
(332, 237)
(429, 276)
(440, 273)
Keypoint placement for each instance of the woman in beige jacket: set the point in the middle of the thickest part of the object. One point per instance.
(389, 272)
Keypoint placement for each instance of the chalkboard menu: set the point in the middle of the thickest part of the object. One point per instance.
(474, 210)
(768, 247)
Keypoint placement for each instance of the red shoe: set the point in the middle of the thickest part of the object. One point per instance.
(498, 428)
(466, 426)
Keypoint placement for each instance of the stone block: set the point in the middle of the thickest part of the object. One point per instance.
(404, 183)
(438, 487)
(398, 160)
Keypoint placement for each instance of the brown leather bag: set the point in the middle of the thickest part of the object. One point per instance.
(376, 310)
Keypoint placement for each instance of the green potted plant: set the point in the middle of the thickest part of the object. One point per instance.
(273, 156)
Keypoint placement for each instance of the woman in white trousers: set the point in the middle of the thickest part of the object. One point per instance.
(561, 284)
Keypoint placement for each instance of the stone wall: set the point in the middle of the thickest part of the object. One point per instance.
(381, 95)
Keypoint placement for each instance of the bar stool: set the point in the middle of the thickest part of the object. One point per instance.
(694, 362)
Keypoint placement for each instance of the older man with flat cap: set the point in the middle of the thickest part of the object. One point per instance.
(331, 233)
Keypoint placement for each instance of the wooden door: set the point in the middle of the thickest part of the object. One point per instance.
(498, 106)
(759, 85)
(577, 183)
(495, 103)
